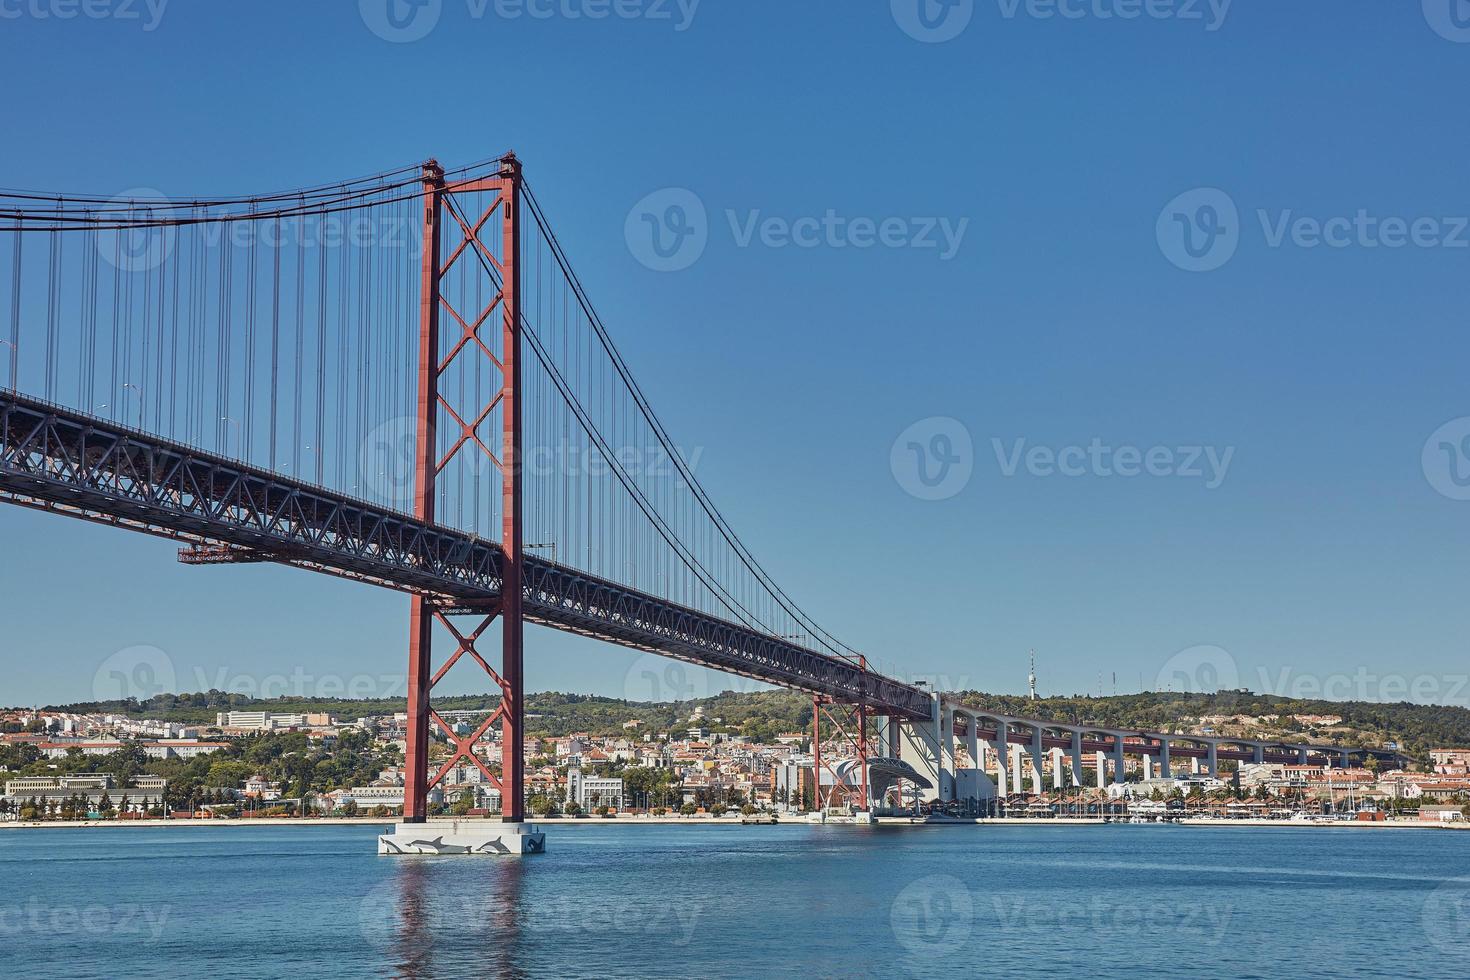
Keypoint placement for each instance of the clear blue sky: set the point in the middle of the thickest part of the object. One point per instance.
(1063, 317)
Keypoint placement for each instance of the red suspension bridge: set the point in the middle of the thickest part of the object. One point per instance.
(242, 375)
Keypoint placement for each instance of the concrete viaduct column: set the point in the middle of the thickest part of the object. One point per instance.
(1037, 765)
(947, 787)
(1214, 760)
(1120, 773)
(972, 746)
(1165, 770)
(1058, 774)
(1077, 759)
(1301, 757)
(1102, 769)
(1002, 758)
(1260, 755)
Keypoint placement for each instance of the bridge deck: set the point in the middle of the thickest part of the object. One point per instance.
(65, 462)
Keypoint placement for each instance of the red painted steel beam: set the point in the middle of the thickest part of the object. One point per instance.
(512, 800)
(421, 618)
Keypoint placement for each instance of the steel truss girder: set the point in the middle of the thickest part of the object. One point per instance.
(66, 462)
(582, 603)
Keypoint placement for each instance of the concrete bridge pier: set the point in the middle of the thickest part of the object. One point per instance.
(1120, 765)
(1037, 762)
(1077, 779)
(972, 777)
(1102, 769)
(1058, 772)
(1002, 757)
(888, 740)
(1214, 761)
(946, 781)
(921, 747)
(1165, 772)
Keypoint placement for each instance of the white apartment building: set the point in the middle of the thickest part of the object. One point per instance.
(591, 792)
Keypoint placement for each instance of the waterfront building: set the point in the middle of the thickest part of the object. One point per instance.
(592, 792)
(271, 721)
(145, 793)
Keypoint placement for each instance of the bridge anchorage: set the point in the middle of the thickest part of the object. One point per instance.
(399, 380)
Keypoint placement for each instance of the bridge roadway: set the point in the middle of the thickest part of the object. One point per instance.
(62, 461)
(65, 462)
(1094, 738)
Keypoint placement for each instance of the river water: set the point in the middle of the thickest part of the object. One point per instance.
(731, 901)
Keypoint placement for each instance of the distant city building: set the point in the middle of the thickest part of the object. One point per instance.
(592, 792)
(146, 792)
(172, 749)
(262, 789)
(1434, 813)
(271, 721)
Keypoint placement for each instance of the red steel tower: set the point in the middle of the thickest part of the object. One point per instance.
(444, 207)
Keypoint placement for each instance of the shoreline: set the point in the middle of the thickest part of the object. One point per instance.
(735, 821)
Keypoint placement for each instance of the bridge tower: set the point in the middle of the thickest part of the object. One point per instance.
(462, 207)
(849, 724)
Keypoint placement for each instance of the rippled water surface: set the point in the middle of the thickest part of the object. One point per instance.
(730, 901)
